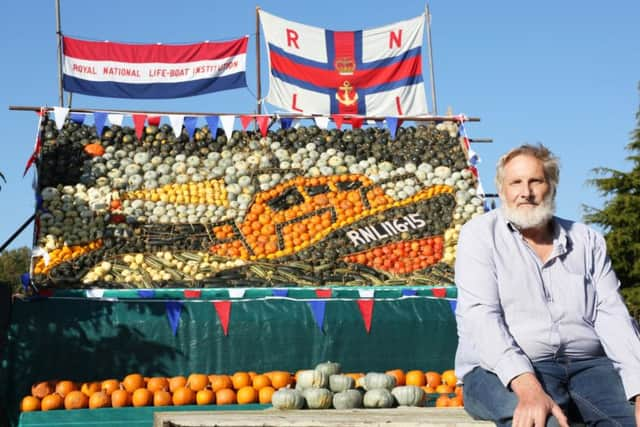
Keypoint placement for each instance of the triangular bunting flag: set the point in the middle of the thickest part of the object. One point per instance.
(59, 115)
(393, 123)
(280, 292)
(174, 308)
(322, 122)
(356, 122)
(338, 119)
(439, 292)
(99, 119)
(453, 303)
(95, 293)
(285, 122)
(25, 279)
(236, 292)
(263, 124)
(30, 162)
(115, 119)
(366, 309)
(77, 117)
(323, 293)
(408, 292)
(227, 124)
(212, 122)
(366, 293)
(176, 121)
(190, 125)
(223, 309)
(146, 293)
(154, 120)
(138, 123)
(192, 293)
(317, 309)
(245, 119)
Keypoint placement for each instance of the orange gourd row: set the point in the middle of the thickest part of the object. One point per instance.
(136, 390)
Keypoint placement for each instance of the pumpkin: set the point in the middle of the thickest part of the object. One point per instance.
(286, 398)
(408, 395)
(132, 382)
(312, 379)
(205, 397)
(348, 399)
(109, 386)
(29, 404)
(90, 387)
(177, 382)
(161, 398)
(51, 402)
(197, 382)
(99, 399)
(76, 399)
(247, 394)
(157, 383)
(265, 394)
(225, 396)
(376, 380)
(120, 398)
(378, 398)
(41, 389)
(338, 383)
(219, 382)
(94, 150)
(329, 368)
(318, 398)
(65, 387)
(183, 396)
(142, 397)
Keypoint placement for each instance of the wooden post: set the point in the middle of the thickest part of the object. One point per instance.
(432, 75)
(59, 35)
(258, 85)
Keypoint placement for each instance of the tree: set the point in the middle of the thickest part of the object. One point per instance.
(13, 264)
(620, 216)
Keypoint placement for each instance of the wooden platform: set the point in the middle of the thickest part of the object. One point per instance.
(397, 417)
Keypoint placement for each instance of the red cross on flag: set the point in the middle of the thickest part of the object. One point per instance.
(374, 72)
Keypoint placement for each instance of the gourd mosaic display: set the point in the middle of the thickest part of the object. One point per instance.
(301, 207)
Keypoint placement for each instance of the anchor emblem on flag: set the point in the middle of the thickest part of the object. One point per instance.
(346, 99)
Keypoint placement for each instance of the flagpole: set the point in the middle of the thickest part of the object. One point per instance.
(59, 35)
(432, 75)
(258, 86)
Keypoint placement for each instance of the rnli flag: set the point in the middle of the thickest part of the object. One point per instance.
(374, 72)
(118, 70)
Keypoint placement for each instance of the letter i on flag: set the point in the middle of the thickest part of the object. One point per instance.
(374, 72)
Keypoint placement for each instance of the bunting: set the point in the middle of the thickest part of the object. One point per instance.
(223, 310)
(174, 308)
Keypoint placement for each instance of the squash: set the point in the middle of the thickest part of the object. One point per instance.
(94, 150)
(329, 368)
(408, 395)
(318, 398)
(286, 398)
(378, 398)
(311, 378)
(376, 380)
(348, 399)
(338, 383)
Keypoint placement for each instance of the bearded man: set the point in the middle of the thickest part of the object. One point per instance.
(544, 335)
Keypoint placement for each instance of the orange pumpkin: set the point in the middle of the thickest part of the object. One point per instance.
(218, 382)
(99, 399)
(142, 397)
(241, 379)
(76, 399)
(90, 388)
(415, 377)
(246, 395)
(183, 396)
(120, 398)
(280, 379)
(109, 386)
(205, 397)
(51, 402)
(265, 394)
(157, 383)
(177, 382)
(399, 376)
(29, 404)
(132, 382)
(225, 396)
(162, 398)
(197, 382)
(94, 149)
(42, 389)
(65, 387)
(260, 381)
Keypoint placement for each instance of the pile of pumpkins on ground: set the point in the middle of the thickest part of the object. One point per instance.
(323, 387)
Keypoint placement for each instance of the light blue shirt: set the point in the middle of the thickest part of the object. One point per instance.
(513, 309)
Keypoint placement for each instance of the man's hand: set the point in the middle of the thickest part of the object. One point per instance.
(637, 399)
(534, 405)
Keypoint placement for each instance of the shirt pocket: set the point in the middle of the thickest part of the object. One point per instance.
(582, 297)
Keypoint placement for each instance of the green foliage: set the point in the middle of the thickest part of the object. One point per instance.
(14, 263)
(620, 216)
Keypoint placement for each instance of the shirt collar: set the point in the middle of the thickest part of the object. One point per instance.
(560, 236)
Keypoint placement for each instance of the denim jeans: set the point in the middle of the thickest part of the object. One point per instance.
(588, 391)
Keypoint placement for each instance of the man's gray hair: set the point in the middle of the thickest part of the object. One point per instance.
(550, 164)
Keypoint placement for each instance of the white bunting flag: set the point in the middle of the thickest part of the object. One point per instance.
(322, 121)
(236, 292)
(227, 124)
(59, 115)
(115, 119)
(176, 123)
(95, 293)
(366, 293)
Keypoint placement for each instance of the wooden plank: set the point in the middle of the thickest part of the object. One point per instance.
(397, 417)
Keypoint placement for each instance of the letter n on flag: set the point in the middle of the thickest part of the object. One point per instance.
(374, 72)
(119, 70)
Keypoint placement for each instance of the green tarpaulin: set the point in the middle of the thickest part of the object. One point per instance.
(70, 336)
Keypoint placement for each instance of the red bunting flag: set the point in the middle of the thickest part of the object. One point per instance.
(154, 120)
(263, 124)
(138, 122)
(223, 309)
(439, 292)
(245, 119)
(192, 293)
(366, 310)
(323, 293)
(356, 122)
(338, 119)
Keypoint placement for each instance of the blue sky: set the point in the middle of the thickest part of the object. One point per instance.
(562, 73)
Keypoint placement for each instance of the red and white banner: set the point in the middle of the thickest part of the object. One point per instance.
(118, 70)
(374, 72)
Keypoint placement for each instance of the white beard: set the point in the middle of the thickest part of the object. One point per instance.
(531, 217)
